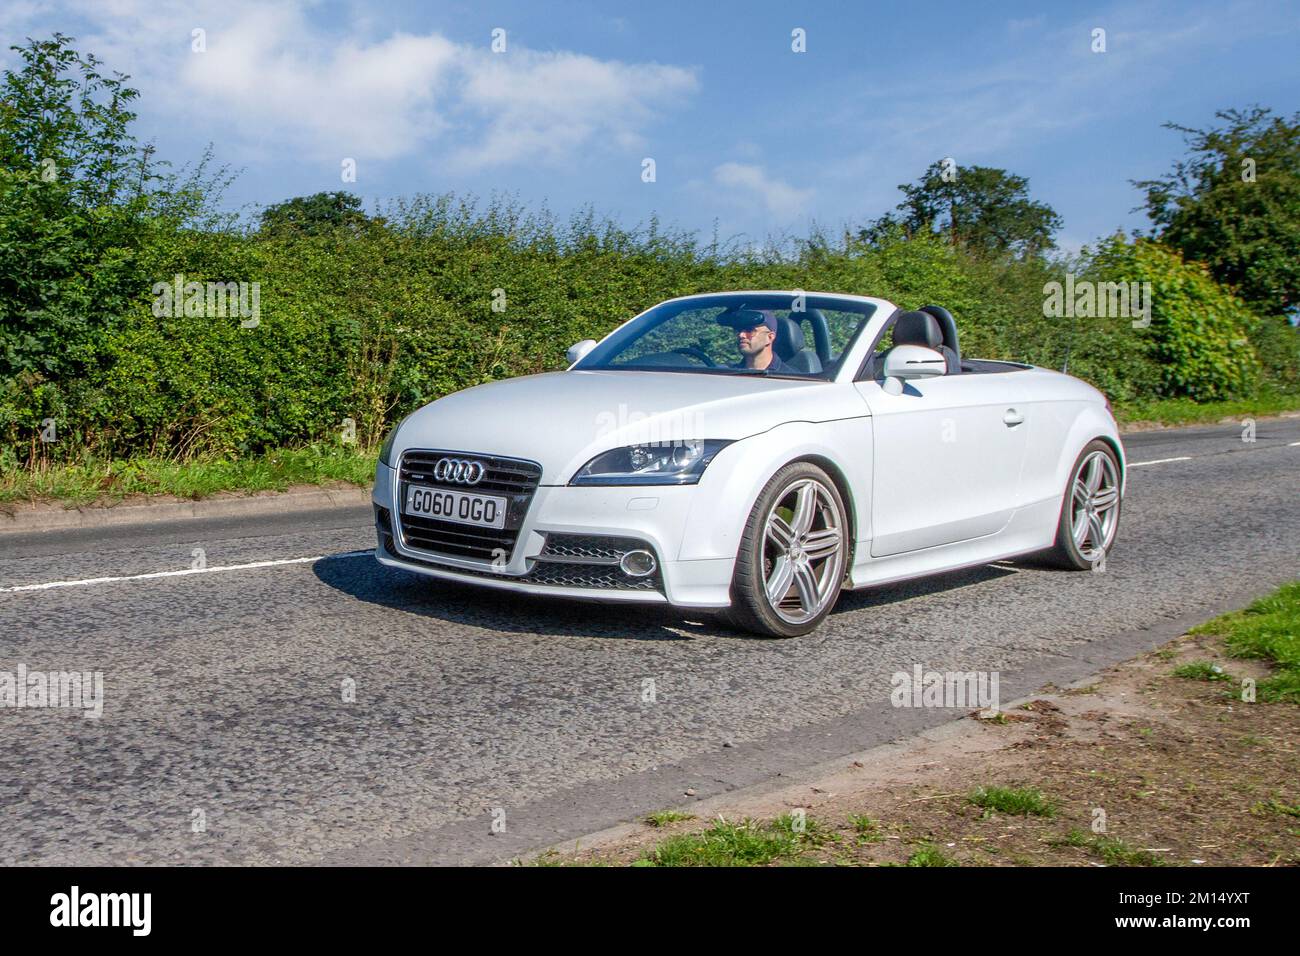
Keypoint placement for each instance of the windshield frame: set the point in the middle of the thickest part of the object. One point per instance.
(649, 320)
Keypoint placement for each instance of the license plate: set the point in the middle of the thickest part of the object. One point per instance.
(462, 507)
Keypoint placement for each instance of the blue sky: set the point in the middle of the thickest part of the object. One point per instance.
(744, 132)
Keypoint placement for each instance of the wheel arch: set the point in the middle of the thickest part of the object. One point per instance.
(727, 491)
(1118, 449)
(1084, 425)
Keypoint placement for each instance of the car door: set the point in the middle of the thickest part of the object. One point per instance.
(948, 457)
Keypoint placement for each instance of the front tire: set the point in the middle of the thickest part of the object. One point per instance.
(1089, 518)
(790, 566)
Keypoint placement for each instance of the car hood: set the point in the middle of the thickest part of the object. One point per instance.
(564, 419)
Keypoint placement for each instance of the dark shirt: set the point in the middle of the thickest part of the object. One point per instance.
(776, 367)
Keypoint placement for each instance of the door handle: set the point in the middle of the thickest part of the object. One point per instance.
(1012, 418)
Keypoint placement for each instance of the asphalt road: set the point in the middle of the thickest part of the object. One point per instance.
(225, 736)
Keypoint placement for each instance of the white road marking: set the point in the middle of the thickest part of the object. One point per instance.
(182, 572)
(325, 557)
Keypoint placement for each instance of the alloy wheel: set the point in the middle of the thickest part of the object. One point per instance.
(1093, 505)
(803, 551)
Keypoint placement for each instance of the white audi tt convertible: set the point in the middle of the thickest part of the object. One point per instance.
(755, 453)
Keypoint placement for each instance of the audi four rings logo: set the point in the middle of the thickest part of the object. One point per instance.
(459, 471)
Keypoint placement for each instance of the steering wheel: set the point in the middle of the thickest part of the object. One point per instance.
(696, 352)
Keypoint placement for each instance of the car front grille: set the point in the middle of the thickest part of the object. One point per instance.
(512, 478)
(566, 561)
(597, 577)
(594, 548)
(592, 561)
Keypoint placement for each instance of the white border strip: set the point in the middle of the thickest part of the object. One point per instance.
(1158, 461)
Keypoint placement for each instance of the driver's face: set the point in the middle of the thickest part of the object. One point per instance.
(753, 341)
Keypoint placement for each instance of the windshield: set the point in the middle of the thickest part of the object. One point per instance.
(769, 334)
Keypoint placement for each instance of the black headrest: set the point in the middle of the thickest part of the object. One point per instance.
(918, 328)
(789, 337)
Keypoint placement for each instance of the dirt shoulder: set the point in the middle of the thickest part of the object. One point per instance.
(1139, 766)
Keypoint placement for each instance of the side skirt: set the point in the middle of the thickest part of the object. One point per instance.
(1031, 529)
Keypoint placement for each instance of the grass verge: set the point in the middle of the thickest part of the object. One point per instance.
(1016, 801)
(747, 843)
(1184, 411)
(110, 481)
(1161, 761)
(664, 818)
(1110, 850)
(1201, 670)
(927, 854)
(1268, 630)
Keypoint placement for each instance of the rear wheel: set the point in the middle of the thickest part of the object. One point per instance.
(792, 556)
(1090, 511)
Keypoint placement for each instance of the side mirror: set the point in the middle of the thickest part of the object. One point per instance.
(579, 350)
(905, 362)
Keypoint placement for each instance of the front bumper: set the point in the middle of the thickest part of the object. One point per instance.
(657, 516)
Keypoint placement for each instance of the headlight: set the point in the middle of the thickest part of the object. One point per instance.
(661, 463)
(386, 449)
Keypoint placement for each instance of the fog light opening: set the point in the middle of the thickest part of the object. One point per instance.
(637, 564)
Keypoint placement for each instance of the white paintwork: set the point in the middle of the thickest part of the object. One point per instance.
(954, 471)
(907, 362)
(947, 467)
(578, 350)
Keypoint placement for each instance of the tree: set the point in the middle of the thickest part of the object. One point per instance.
(981, 208)
(314, 215)
(73, 201)
(88, 218)
(1234, 203)
(64, 119)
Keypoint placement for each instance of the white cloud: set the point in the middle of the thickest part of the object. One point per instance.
(380, 100)
(545, 105)
(780, 199)
(274, 78)
(17, 12)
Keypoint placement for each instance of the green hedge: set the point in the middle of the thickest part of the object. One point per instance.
(369, 324)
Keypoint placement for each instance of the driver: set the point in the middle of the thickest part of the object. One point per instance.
(755, 336)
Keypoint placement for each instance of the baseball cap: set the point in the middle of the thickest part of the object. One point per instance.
(748, 319)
